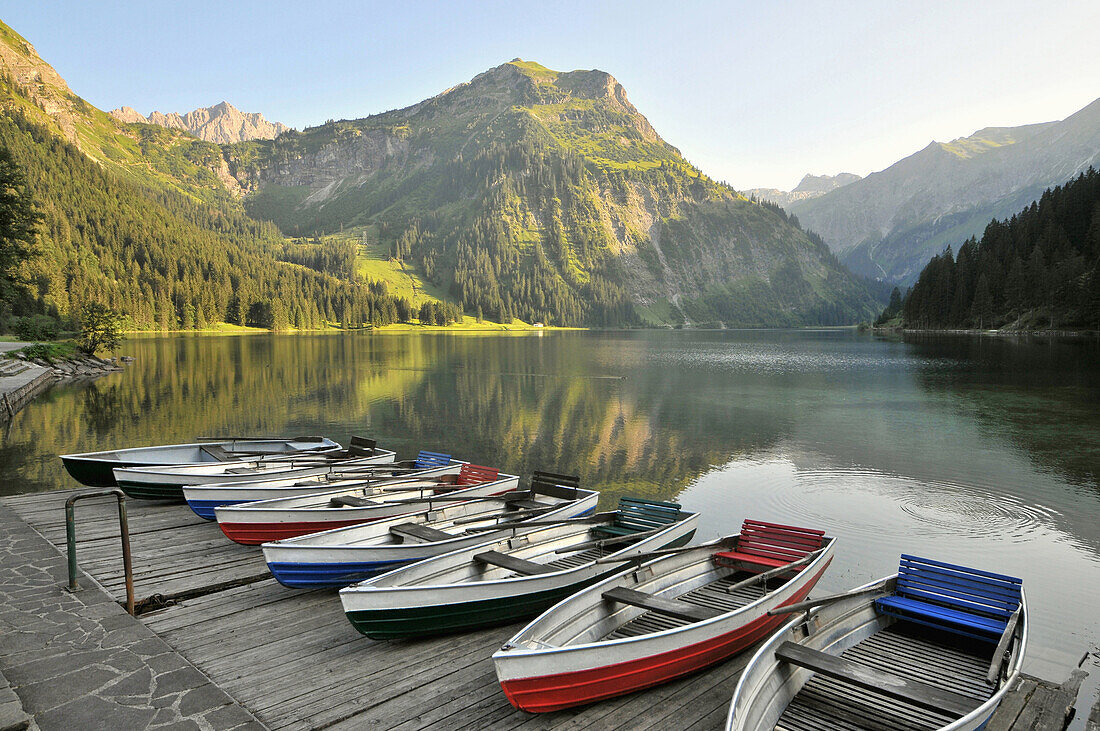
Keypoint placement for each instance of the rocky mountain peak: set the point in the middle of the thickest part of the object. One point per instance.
(221, 124)
(824, 183)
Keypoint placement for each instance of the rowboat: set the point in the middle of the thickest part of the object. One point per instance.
(95, 468)
(346, 555)
(510, 578)
(202, 499)
(167, 482)
(670, 616)
(935, 646)
(272, 520)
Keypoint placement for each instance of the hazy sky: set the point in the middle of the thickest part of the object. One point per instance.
(753, 93)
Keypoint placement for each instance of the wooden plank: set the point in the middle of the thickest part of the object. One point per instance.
(894, 686)
(518, 565)
(660, 605)
(422, 532)
(1093, 723)
(1050, 706)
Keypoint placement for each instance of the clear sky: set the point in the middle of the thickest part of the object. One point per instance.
(754, 93)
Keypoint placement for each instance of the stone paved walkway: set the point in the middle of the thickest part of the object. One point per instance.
(78, 661)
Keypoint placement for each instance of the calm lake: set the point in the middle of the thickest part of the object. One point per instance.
(981, 451)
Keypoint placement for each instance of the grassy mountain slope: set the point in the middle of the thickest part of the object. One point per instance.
(136, 216)
(545, 195)
(889, 224)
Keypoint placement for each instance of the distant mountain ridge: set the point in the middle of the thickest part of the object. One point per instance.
(811, 186)
(547, 195)
(524, 193)
(891, 223)
(222, 124)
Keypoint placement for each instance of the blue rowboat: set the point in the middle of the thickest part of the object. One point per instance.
(205, 498)
(343, 556)
(933, 648)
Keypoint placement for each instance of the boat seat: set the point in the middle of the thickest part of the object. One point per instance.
(527, 504)
(556, 485)
(770, 545)
(219, 453)
(879, 681)
(362, 447)
(518, 565)
(955, 598)
(350, 501)
(427, 459)
(473, 474)
(420, 531)
(660, 605)
(635, 515)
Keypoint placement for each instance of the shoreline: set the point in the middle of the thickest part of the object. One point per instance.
(990, 333)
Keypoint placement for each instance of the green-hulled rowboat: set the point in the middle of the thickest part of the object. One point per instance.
(514, 577)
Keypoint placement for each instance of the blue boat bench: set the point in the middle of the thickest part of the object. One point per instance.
(428, 459)
(955, 598)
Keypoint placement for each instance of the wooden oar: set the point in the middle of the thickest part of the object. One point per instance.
(764, 576)
(354, 470)
(594, 518)
(259, 439)
(610, 541)
(462, 498)
(723, 543)
(810, 603)
(513, 514)
(1000, 654)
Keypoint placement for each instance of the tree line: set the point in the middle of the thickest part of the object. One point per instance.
(163, 259)
(1040, 268)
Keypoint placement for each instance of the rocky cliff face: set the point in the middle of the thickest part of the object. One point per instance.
(31, 78)
(811, 186)
(889, 224)
(222, 124)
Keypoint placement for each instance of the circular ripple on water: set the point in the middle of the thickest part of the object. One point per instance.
(949, 508)
(859, 502)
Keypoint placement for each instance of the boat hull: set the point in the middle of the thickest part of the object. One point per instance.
(565, 690)
(420, 621)
(205, 499)
(767, 685)
(462, 607)
(252, 524)
(96, 469)
(151, 484)
(95, 472)
(310, 567)
(539, 676)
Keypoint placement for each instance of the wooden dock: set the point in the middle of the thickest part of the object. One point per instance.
(1037, 704)
(292, 659)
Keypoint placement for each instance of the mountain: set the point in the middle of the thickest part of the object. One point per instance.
(1041, 268)
(891, 223)
(811, 186)
(524, 193)
(144, 219)
(547, 196)
(222, 124)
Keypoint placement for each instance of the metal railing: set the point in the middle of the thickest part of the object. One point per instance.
(124, 529)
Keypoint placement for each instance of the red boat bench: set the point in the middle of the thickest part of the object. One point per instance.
(770, 545)
(472, 474)
(958, 599)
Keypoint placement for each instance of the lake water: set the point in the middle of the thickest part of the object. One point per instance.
(981, 451)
